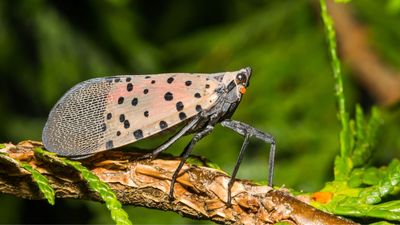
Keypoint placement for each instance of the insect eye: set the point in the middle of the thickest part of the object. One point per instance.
(241, 78)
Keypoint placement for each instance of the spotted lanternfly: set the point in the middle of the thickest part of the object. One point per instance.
(105, 113)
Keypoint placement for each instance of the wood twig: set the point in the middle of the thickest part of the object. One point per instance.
(200, 192)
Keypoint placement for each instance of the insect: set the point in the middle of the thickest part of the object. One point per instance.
(105, 113)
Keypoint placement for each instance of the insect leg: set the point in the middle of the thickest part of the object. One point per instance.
(237, 165)
(188, 149)
(172, 140)
(249, 131)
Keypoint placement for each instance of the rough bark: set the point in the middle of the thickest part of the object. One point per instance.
(200, 192)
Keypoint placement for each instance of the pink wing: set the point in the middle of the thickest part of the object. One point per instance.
(106, 113)
(145, 105)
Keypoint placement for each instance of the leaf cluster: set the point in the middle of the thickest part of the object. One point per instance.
(359, 189)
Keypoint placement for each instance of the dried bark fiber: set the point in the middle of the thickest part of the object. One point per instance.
(200, 192)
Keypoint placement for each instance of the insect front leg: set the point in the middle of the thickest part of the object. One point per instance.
(248, 131)
(185, 154)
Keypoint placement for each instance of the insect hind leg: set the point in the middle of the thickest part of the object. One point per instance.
(185, 154)
(248, 131)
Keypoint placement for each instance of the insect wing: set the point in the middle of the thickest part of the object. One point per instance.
(106, 113)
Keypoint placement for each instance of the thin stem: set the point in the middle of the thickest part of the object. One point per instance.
(337, 73)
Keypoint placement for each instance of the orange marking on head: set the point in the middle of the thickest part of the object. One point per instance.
(242, 90)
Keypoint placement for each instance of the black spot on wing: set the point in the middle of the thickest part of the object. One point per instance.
(168, 96)
(122, 118)
(182, 116)
(134, 101)
(109, 115)
(126, 124)
(120, 100)
(109, 145)
(179, 106)
(138, 134)
(129, 87)
(198, 108)
(163, 124)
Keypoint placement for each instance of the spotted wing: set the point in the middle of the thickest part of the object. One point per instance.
(106, 113)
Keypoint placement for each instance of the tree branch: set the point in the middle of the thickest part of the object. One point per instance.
(200, 192)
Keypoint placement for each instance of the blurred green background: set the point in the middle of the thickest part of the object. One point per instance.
(46, 47)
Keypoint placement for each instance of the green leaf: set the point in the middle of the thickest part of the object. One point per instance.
(366, 201)
(358, 190)
(105, 192)
(382, 223)
(37, 177)
(365, 136)
(345, 165)
(366, 176)
(373, 126)
(360, 132)
(373, 175)
(360, 145)
(389, 210)
(387, 185)
(42, 182)
(2, 146)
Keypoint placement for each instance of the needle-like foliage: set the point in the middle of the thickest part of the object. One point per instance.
(358, 189)
(117, 213)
